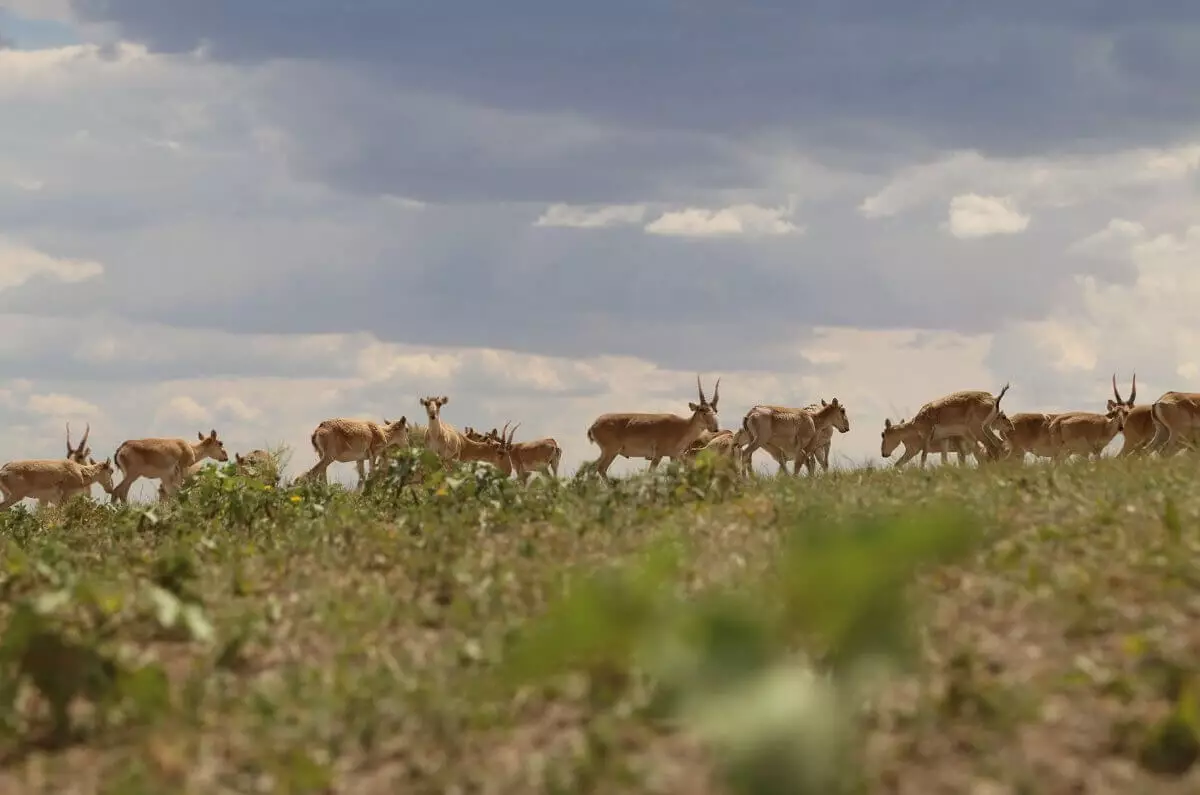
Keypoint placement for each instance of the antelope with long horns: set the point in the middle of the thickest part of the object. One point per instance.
(654, 436)
(51, 480)
(1087, 433)
(537, 455)
(968, 413)
(163, 459)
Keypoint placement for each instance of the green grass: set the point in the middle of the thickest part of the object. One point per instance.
(863, 631)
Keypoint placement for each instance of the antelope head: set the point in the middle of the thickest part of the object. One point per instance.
(81, 453)
(893, 434)
(1128, 404)
(433, 407)
(211, 446)
(706, 410)
(840, 420)
(104, 473)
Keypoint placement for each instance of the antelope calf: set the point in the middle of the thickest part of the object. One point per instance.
(51, 480)
(1087, 433)
(654, 436)
(968, 413)
(254, 463)
(914, 441)
(163, 459)
(796, 432)
(724, 444)
(450, 444)
(361, 442)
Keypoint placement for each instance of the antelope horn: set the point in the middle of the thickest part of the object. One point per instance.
(70, 449)
(700, 389)
(86, 431)
(716, 393)
(503, 430)
(1133, 391)
(513, 433)
(1116, 394)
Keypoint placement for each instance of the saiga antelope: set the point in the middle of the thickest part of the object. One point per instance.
(361, 442)
(1176, 422)
(724, 444)
(163, 459)
(1087, 433)
(51, 480)
(905, 433)
(449, 444)
(634, 434)
(968, 413)
(252, 463)
(535, 455)
(796, 432)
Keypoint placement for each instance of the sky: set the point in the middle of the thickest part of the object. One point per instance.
(255, 216)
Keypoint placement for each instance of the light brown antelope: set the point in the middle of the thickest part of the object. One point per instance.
(781, 456)
(1087, 433)
(968, 413)
(361, 442)
(51, 480)
(537, 455)
(912, 438)
(163, 459)
(796, 432)
(655, 435)
(724, 444)
(255, 463)
(1176, 422)
(450, 444)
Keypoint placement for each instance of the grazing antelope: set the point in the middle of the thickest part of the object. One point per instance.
(361, 442)
(724, 444)
(1176, 422)
(525, 458)
(634, 434)
(255, 462)
(968, 413)
(164, 459)
(450, 444)
(51, 480)
(796, 432)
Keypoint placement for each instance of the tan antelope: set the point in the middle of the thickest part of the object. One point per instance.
(1176, 422)
(450, 444)
(255, 462)
(537, 455)
(914, 442)
(796, 432)
(968, 413)
(781, 457)
(1030, 434)
(51, 480)
(361, 442)
(724, 444)
(633, 434)
(1087, 433)
(163, 459)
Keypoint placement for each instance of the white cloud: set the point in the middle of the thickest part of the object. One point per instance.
(591, 217)
(738, 219)
(974, 216)
(57, 405)
(183, 409)
(1114, 240)
(20, 263)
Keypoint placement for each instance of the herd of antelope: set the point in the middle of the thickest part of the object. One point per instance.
(967, 423)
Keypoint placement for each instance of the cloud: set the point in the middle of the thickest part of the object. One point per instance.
(591, 217)
(19, 264)
(741, 219)
(55, 405)
(974, 216)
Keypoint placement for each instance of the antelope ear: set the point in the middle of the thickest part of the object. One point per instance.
(200, 435)
(212, 434)
(693, 406)
(887, 423)
(403, 420)
(823, 403)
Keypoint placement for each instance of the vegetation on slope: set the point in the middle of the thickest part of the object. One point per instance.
(864, 631)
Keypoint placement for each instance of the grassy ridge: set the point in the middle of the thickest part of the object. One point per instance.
(864, 631)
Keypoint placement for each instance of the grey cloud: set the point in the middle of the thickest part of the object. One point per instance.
(1013, 78)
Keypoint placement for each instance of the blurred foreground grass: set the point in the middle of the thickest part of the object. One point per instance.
(1028, 629)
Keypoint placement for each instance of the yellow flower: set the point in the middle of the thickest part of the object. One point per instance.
(296, 498)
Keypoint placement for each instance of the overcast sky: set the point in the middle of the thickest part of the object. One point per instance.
(256, 215)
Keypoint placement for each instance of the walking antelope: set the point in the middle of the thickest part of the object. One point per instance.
(1087, 433)
(163, 459)
(52, 480)
(796, 432)
(1176, 422)
(909, 435)
(1030, 434)
(361, 442)
(652, 435)
(525, 458)
(449, 444)
(968, 413)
